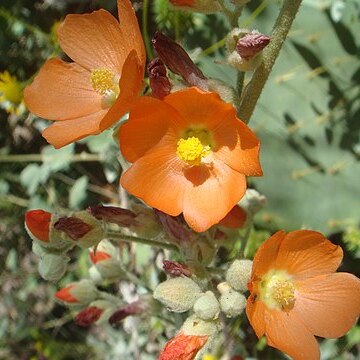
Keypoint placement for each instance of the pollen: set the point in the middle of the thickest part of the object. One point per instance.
(103, 81)
(191, 150)
(277, 290)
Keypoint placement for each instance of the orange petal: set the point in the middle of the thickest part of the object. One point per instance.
(328, 304)
(130, 85)
(255, 311)
(199, 107)
(214, 190)
(306, 253)
(38, 223)
(62, 133)
(182, 347)
(148, 122)
(265, 257)
(286, 332)
(157, 177)
(94, 41)
(237, 146)
(235, 219)
(62, 91)
(129, 26)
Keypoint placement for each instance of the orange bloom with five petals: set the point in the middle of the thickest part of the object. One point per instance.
(89, 95)
(190, 155)
(296, 294)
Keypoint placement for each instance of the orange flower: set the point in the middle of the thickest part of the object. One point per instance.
(190, 155)
(295, 293)
(89, 95)
(182, 347)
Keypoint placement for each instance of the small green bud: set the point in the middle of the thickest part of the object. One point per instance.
(207, 307)
(110, 269)
(193, 325)
(178, 294)
(53, 266)
(238, 274)
(232, 303)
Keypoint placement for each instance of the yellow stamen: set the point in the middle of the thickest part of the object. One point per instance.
(277, 290)
(103, 81)
(192, 150)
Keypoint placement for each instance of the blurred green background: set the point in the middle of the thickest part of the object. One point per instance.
(308, 120)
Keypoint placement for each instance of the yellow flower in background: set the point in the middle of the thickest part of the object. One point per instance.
(209, 357)
(11, 94)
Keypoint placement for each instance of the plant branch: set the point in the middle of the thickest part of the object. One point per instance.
(281, 28)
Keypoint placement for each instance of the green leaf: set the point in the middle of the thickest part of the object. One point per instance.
(78, 192)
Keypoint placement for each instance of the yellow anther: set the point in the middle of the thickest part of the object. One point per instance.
(103, 81)
(277, 290)
(192, 150)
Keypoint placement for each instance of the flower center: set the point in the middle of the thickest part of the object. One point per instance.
(277, 290)
(105, 82)
(192, 150)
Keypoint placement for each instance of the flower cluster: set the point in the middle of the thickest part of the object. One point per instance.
(189, 156)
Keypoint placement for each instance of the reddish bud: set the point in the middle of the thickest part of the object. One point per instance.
(127, 310)
(174, 268)
(178, 61)
(113, 214)
(65, 295)
(73, 227)
(96, 256)
(88, 316)
(184, 347)
(174, 226)
(251, 44)
(38, 224)
(159, 82)
(183, 2)
(235, 219)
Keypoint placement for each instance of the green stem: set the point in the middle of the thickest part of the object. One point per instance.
(281, 29)
(82, 157)
(240, 83)
(145, 32)
(134, 239)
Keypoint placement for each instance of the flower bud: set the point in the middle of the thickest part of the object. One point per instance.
(97, 312)
(81, 229)
(235, 219)
(53, 266)
(204, 6)
(252, 202)
(178, 61)
(80, 292)
(37, 225)
(114, 215)
(174, 268)
(251, 44)
(147, 222)
(110, 269)
(238, 274)
(193, 325)
(174, 226)
(207, 307)
(105, 250)
(232, 303)
(159, 82)
(177, 294)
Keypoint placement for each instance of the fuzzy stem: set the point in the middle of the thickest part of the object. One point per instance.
(145, 32)
(134, 239)
(281, 29)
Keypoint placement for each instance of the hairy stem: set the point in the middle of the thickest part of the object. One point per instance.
(281, 29)
(145, 32)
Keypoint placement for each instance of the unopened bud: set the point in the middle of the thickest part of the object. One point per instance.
(207, 307)
(251, 44)
(238, 274)
(103, 251)
(178, 61)
(147, 222)
(193, 325)
(178, 294)
(174, 268)
(232, 303)
(81, 229)
(204, 6)
(235, 219)
(174, 226)
(97, 312)
(114, 215)
(80, 292)
(53, 266)
(110, 269)
(184, 347)
(37, 224)
(159, 82)
(252, 202)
